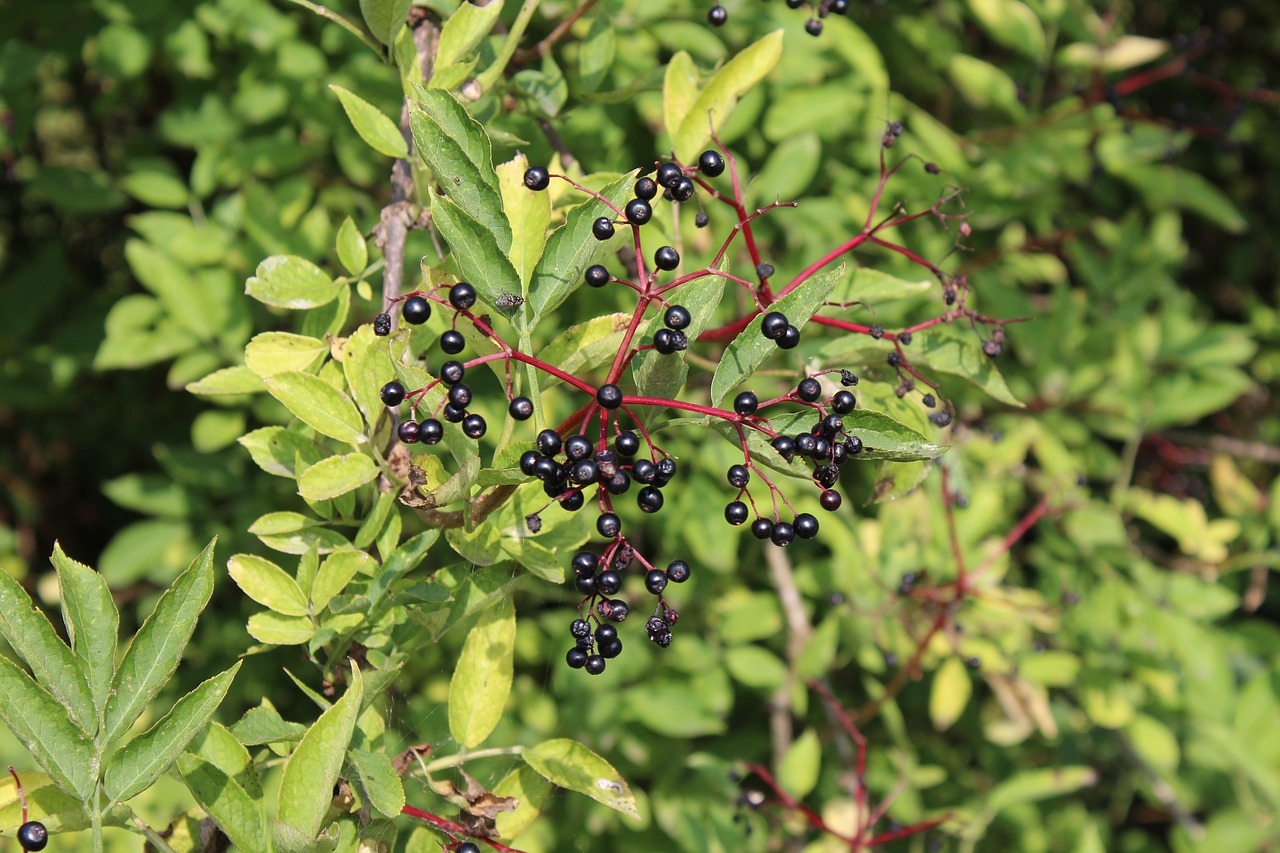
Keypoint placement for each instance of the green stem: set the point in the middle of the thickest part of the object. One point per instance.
(355, 30)
(494, 71)
(95, 818)
(464, 757)
(156, 839)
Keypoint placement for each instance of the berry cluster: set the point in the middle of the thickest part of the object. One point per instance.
(818, 9)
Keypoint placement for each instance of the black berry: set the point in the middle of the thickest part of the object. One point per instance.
(602, 228)
(717, 16)
(549, 442)
(597, 275)
(627, 443)
(683, 189)
(608, 525)
(460, 395)
(430, 431)
(595, 664)
(609, 396)
(473, 426)
(809, 389)
(452, 342)
(668, 174)
(392, 393)
(830, 500)
(521, 408)
(677, 317)
(576, 658)
(528, 460)
(746, 403)
(786, 447)
(537, 179)
(408, 432)
(644, 471)
(416, 310)
(678, 571)
(666, 258)
(573, 502)
(790, 338)
(738, 476)
(453, 414)
(761, 528)
(843, 403)
(806, 526)
(711, 163)
(451, 372)
(773, 325)
(736, 513)
(32, 835)
(638, 211)
(462, 296)
(608, 584)
(646, 188)
(701, 220)
(813, 27)
(649, 499)
(783, 534)
(655, 581)
(382, 325)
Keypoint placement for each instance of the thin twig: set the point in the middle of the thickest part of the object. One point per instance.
(354, 29)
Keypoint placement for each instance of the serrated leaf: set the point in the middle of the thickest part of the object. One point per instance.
(352, 251)
(267, 584)
(377, 781)
(798, 772)
(228, 381)
(750, 348)
(336, 475)
(140, 762)
(155, 651)
(43, 726)
(959, 353)
(276, 449)
(479, 256)
(571, 248)
(378, 131)
(529, 214)
(288, 281)
(278, 352)
(482, 678)
(92, 622)
(336, 572)
(384, 18)
(319, 405)
(306, 787)
(950, 693)
(459, 38)
(263, 724)
(403, 560)
(234, 811)
(571, 765)
(717, 99)
(53, 664)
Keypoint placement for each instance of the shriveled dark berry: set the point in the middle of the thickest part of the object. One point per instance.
(853, 445)
(678, 571)
(711, 163)
(649, 499)
(789, 339)
(666, 258)
(666, 470)
(701, 220)
(602, 228)
(655, 581)
(638, 211)
(764, 270)
(579, 628)
(520, 408)
(843, 403)
(608, 525)
(762, 528)
(746, 403)
(928, 401)
(452, 342)
(876, 331)
(474, 426)
(537, 179)
(717, 16)
(894, 359)
(904, 338)
(992, 349)
(677, 317)
(416, 310)
(646, 188)
(597, 275)
(736, 513)
(382, 325)
(627, 443)
(806, 526)
(408, 432)
(809, 389)
(932, 168)
(848, 378)
(462, 296)
(774, 324)
(392, 393)
(609, 396)
(830, 500)
(430, 431)
(738, 476)
(451, 372)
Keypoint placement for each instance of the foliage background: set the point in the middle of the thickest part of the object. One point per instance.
(155, 153)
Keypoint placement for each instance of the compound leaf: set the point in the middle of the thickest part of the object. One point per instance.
(43, 726)
(92, 622)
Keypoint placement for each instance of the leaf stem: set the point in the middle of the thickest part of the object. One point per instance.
(354, 29)
(463, 757)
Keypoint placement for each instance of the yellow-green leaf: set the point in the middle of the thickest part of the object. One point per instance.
(950, 694)
(380, 132)
(482, 679)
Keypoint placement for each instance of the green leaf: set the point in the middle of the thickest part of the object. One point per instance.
(43, 726)
(595, 54)
(571, 765)
(1013, 24)
(278, 352)
(336, 572)
(263, 724)
(457, 151)
(184, 301)
(276, 449)
(874, 287)
(959, 352)
(294, 533)
(227, 381)
(352, 250)
(791, 167)
(156, 650)
(267, 584)
(58, 810)
(586, 346)
(660, 375)
(287, 281)
(750, 348)
(377, 781)
(156, 188)
(403, 560)
(280, 630)
(480, 258)
(950, 693)
(236, 812)
(482, 678)
(336, 475)
(529, 214)
(545, 88)
(384, 18)
(572, 248)
(718, 98)
(367, 369)
(883, 438)
(1164, 186)
(798, 772)
(29, 633)
(1123, 53)
(1029, 786)
(530, 792)
(679, 91)
(140, 762)
(380, 132)
(306, 787)
(318, 405)
(92, 621)
(459, 38)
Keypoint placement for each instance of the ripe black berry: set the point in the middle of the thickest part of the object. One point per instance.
(537, 179)
(832, 425)
(638, 211)
(666, 258)
(790, 338)
(655, 581)
(528, 459)
(451, 372)
(608, 584)
(711, 163)
(452, 342)
(806, 444)
(597, 275)
(666, 470)
(609, 396)
(764, 270)
(460, 395)
(416, 310)
(614, 611)
(584, 472)
(940, 418)
(843, 403)
(646, 188)
(430, 431)
(643, 471)
(678, 571)
(584, 563)
(830, 500)
(608, 525)
(773, 325)
(746, 403)
(739, 476)
(521, 408)
(649, 499)
(627, 443)
(595, 664)
(786, 447)
(840, 7)
(668, 174)
(736, 513)
(573, 502)
(809, 389)
(547, 469)
(610, 648)
(577, 447)
(473, 426)
(904, 338)
(408, 432)
(453, 414)
(717, 16)
(677, 317)
(549, 442)
(605, 633)
(806, 526)
(576, 658)
(392, 393)
(602, 228)
(783, 534)
(462, 296)
(683, 189)
(762, 528)
(664, 341)
(813, 27)
(701, 220)
(618, 483)
(32, 835)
